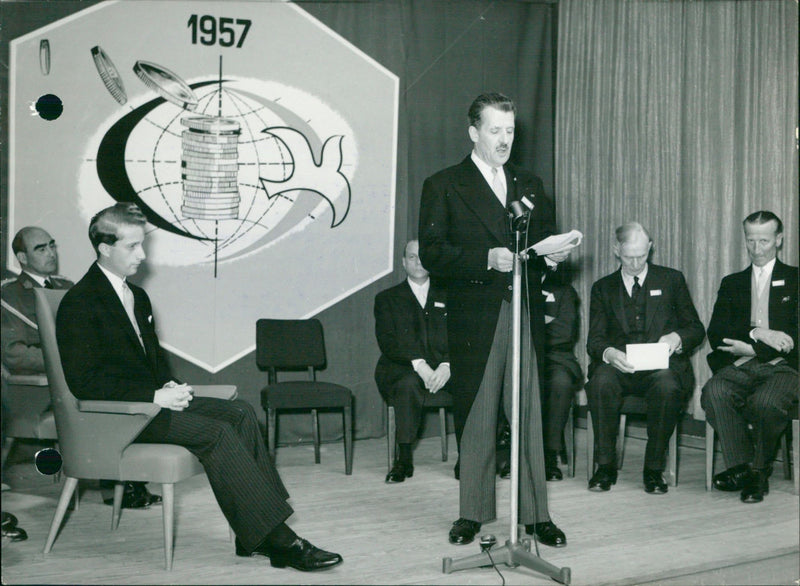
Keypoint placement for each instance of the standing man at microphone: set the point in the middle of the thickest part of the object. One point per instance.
(466, 239)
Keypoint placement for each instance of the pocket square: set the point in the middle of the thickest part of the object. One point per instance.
(786, 299)
(149, 319)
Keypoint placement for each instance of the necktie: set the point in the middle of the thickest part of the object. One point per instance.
(128, 304)
(761, 279)
(497, 186)
(637, 288)
(48, 284)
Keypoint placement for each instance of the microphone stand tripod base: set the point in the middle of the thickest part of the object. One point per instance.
(512, 555)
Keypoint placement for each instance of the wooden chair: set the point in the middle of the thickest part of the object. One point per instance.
(96, 437)
(636, 406)
(298, 344)
(441, 401)
(791, 462)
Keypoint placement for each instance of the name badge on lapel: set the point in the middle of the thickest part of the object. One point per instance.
(655, 292)
(438, 304)
(779, 283)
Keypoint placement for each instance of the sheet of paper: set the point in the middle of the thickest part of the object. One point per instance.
(648, 356)
(558, 243)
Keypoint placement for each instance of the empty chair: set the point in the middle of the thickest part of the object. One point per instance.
(298, 345)
(96, 437)
(26, 409)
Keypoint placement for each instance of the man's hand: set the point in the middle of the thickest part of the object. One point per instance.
(674, 341)
(501, 259)
(619, 360)
(558, 257)
(425, 372)
(173, 396)
(440, 377)
(780, 341)
(737, 347)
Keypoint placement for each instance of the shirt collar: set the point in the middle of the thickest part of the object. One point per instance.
(420, 291)
(115, 280)
(486, 170)
(628, 280)
(36, 278)
(767, 267)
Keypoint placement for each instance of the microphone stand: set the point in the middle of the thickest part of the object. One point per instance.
(514, 553)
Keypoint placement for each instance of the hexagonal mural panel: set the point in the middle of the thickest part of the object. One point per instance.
(260, 145)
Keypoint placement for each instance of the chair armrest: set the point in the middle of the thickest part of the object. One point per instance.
(28, 380)
(216, 391)
(120, 407)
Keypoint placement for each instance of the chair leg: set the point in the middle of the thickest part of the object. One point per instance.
(672, 470)
(787, 462)
(391, 433)
(569, 441)
(621, 440)
(443, 431)
(272, 420)
(315, 428)
(61, 508)
(589, 446)
(796, 454)
(119, 488)
(348, 439)
(709, 455)
(168, 496)
(9, 445)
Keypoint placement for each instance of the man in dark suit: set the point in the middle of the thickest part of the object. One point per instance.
(638, 303)
(563, 375)
(753, 334)
(110, 351)
(411, 328)
(37, 254)
(465, 239)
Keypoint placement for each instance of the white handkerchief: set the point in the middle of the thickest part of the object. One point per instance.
(549, 297)
(648, 356)
(655, 292)
(548, 319)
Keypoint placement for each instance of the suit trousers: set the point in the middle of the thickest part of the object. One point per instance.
(478, 440)
(225, 437)
(407, 395)
(665, 399)
(558, 388)
(760, 394)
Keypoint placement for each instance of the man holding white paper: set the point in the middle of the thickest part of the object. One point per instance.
(753, 334)
(649, 306)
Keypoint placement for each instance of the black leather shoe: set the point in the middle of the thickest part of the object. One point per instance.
(733, 479)
(136, 496)
(399, 473)
(547, 533)
(551, 469)
(14, 533)
(654, 482)
(301, 555)
(9, 520)
(602, 480)
(756, 486)
(464, 531)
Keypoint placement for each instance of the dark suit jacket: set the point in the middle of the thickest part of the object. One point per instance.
(22, 351)
(669, 309)
(405, 331)
(460, 220)
(100, 351)
(731, 315)
(562, 331)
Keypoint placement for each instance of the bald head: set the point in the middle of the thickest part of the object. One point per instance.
(36, 251)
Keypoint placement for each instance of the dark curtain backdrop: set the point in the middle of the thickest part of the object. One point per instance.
(445, 53)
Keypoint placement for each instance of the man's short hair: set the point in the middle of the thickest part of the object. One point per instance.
(18, 243)
(103, 227)
(628, 231)
(493, 99)
(405, 248)
(763, 217)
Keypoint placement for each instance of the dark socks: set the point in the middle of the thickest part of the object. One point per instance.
(281, 536)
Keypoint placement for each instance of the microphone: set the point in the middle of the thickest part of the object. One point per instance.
(519, 216)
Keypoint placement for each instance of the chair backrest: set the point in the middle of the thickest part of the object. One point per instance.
(289, 344)
(90, 442)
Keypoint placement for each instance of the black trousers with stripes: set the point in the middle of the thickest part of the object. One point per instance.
(225, 437)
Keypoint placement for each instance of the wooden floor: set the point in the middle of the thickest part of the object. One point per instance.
(397, 534)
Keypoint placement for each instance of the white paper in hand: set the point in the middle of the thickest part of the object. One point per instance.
(648, 356)
(558, 243)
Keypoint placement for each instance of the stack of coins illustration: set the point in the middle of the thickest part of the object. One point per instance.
(209, 168)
